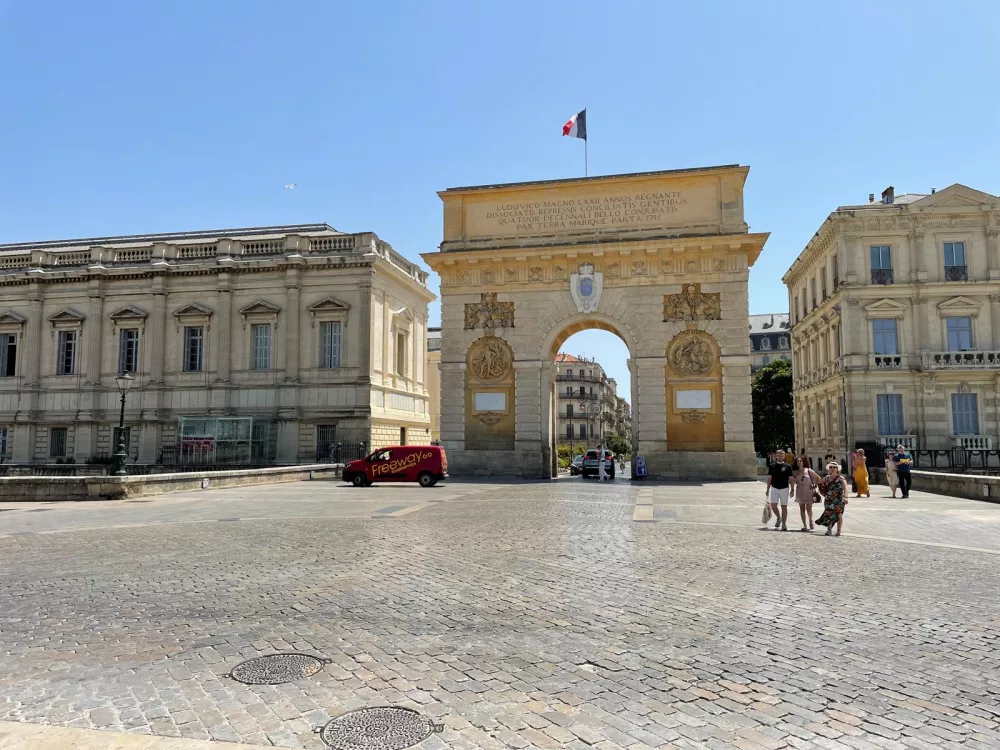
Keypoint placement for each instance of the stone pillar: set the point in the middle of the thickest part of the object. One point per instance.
(288, 441)
(995, 319)
(293, 317)
(223, 331)
(34, 339)
(148, 437)
(415, 339)
(634, 400)
(651, 410)
(737, 403)
(94, 329)
(387, 344)
(847, 251)
(993, 252)
(528, 443)
(453, 405)
(365, 331)
(23, 442)
(157, 331)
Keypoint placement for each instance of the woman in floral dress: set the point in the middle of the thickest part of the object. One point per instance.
(833, 488)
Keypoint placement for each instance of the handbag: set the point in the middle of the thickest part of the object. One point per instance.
(766, 515)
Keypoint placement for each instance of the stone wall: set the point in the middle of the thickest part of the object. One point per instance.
(970, 486)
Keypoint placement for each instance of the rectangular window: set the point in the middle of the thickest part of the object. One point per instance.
(954, 254)
(569, 373)
(67, 353)
(117, 439)
(401, 355)
(881, 257)
(569, 391)
(3, 442)
(829, 417)
(890, 413)
(57, 442)
(402, 436)
(128, 350)
(836, 272)
(812, 291)
(795, 309)
(329, 335)
(959, 334)
(8, 354)
(260, 352)
(583, 431)
(884, 336)
(569, 411)
(194, 348)
(569, 431)
(965, 413)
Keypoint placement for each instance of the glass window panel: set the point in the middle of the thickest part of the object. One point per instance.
(128, 350)
(329, 344)
(260, 335)
(67, 353)
(959, 334)
(884, 336)
(954, 253)
(890, 413)
(8, 355)
(194, 342)
(965, 413)
(57, 442)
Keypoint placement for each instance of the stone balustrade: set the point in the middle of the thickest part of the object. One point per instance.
(981, 360)
(973, 442)
(891, 441)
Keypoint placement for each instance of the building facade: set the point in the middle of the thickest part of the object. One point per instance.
(587, 401)
(434, 382)
(770, 339)
(264, 345)
(895, 311)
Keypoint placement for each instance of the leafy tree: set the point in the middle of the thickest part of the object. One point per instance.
(773, 413)
(618, 445)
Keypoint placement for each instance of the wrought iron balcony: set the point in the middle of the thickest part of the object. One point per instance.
(881, 275)
(960, 360)
(956, 273)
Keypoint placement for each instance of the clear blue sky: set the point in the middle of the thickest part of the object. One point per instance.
(122, 117)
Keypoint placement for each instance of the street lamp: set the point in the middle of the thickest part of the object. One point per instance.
(124, 382)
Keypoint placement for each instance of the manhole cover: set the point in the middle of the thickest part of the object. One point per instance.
(384, 728)
(277, 668)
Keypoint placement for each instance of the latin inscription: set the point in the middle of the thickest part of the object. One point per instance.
(587, 213)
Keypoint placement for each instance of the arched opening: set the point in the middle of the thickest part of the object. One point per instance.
(591, 397)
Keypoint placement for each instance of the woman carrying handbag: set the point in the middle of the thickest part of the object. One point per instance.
(804, 483)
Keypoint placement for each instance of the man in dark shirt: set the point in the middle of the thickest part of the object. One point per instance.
(778, 475)
(904, 462)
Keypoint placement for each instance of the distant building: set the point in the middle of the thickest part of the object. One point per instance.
(896, 324)
(587, 401)
(259, 345)
(434, 382)
(770, 339)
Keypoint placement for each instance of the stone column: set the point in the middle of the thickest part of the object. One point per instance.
(993, 252)
(94, 329)
(995, 320)
(651, 409)
(366, 332)
(288, 441)
(34, 338)
(156, 328)
(415, 337)
(293, 316)
(223, 330)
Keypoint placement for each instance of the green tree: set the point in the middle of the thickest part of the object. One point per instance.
(618, 445)
(773, 412)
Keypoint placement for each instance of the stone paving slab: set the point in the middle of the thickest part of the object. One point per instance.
(518, 616)
(21, 736)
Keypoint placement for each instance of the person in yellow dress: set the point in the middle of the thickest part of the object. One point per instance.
(861, 474)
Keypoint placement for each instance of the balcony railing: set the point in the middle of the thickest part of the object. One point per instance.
(577, 396)
(881, 275)
(887, 362)
(891, 441)
(581, 377)
(956, 273)
(973, 442)
(960, 360)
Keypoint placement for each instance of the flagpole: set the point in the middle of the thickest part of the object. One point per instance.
(584, 157)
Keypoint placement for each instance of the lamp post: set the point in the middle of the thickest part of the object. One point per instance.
(124, 382)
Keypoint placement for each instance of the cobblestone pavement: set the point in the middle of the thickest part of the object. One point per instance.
(517, 615)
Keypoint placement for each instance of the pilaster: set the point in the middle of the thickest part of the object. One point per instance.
(93, 331)
(157, 328)
(292, 323)
(223, 333)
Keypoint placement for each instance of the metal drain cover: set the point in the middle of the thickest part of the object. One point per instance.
(383, 728)
(274, 669)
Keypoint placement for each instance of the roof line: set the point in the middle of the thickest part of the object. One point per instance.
(595, 178)
(196, 235)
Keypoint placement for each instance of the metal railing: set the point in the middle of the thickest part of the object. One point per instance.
(881, 275)
(956, 273)
(342, 453)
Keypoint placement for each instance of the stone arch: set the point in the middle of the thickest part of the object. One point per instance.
(489, 399)
(693, 375)
(571, 324)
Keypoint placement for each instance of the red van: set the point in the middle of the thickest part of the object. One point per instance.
(426, 464)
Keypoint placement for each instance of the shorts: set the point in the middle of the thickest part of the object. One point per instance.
(779, 497)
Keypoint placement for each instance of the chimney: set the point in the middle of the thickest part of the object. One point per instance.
(871, 197)
(888, 195)
(933, 190)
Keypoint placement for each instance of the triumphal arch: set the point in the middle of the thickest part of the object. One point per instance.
(659, 258)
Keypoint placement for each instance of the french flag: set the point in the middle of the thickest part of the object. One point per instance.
(576, 126)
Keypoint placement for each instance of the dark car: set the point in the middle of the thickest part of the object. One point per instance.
(592, 466)
(577, 466)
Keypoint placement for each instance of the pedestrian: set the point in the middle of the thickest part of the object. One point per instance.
(777, 490)
(804, 483)
(602, 472)
(789, 456)
(861, 474)
(805, 459)
(891, 475)
(621, 466)
(904, 462)
(834, 491)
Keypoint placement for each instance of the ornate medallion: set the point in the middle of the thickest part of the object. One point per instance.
(491, 359)
(692, 355)
(381, 728)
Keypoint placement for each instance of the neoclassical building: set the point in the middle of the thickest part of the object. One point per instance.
(895, 311)
(587, 401)
(262, 345)
(770, 339)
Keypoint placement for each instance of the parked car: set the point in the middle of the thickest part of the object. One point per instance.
(577, 466)
(425, 464)
(592, 467)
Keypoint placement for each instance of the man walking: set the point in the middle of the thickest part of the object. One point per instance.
(776, 491)
(904, 462)
(602, 472)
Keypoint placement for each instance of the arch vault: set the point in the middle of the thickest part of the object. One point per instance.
(661, 259)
